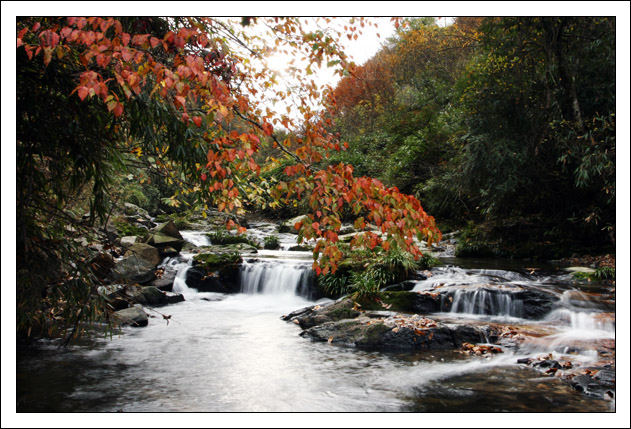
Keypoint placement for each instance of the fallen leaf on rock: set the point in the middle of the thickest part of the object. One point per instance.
(330, 340)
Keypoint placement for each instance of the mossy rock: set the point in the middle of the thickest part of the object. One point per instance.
(215, 261)
(169, 229)
(128, 229)
(300, 248)
(163, 241)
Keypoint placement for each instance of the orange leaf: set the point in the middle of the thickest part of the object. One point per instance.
(82, 92)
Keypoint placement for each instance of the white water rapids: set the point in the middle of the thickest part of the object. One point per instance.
(232, 352)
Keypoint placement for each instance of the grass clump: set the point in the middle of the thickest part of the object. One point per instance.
(271, 242)
(215, 261)
(363, 273)
(222, 238)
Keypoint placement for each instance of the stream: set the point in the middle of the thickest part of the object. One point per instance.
(232, 352)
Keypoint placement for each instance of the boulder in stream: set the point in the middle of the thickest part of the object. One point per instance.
(166, 238)
(132, 316)
(396, 332)
(145, 252)
(133, 269)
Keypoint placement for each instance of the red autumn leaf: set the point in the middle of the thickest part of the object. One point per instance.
(181, 100)
(118, 110)
(268, 129)
(82, 92)
(198, 121)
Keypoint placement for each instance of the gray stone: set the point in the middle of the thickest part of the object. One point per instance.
(149, 295)
(129, 240)
(366, 333)
(163, 241)
(134, 270)
(168, 229)
(145, 252)
(164, 283)
(133, 316)
(133, 210)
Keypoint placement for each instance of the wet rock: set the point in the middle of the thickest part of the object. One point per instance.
(166, 236)
(133, 269)
(115, 295)
(204, 281)
(174, 298)
(301, 312)
(548, 363)
(536, 303)
(599, 383)
(145, 252)
(165, 282)
(344, 309)
(133, 316)
(149, 295)
(365, 332)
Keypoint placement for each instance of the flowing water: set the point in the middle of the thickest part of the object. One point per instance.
(226, 353)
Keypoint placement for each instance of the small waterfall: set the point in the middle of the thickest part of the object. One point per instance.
(196, 238)
(487, 302)
(179, 283)
(585, 323)
(276, 278)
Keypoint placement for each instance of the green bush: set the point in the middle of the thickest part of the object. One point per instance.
(364, 272)
(221, 237)
(216, 261)
(127, 229)
(605, 273)
(271, 242)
